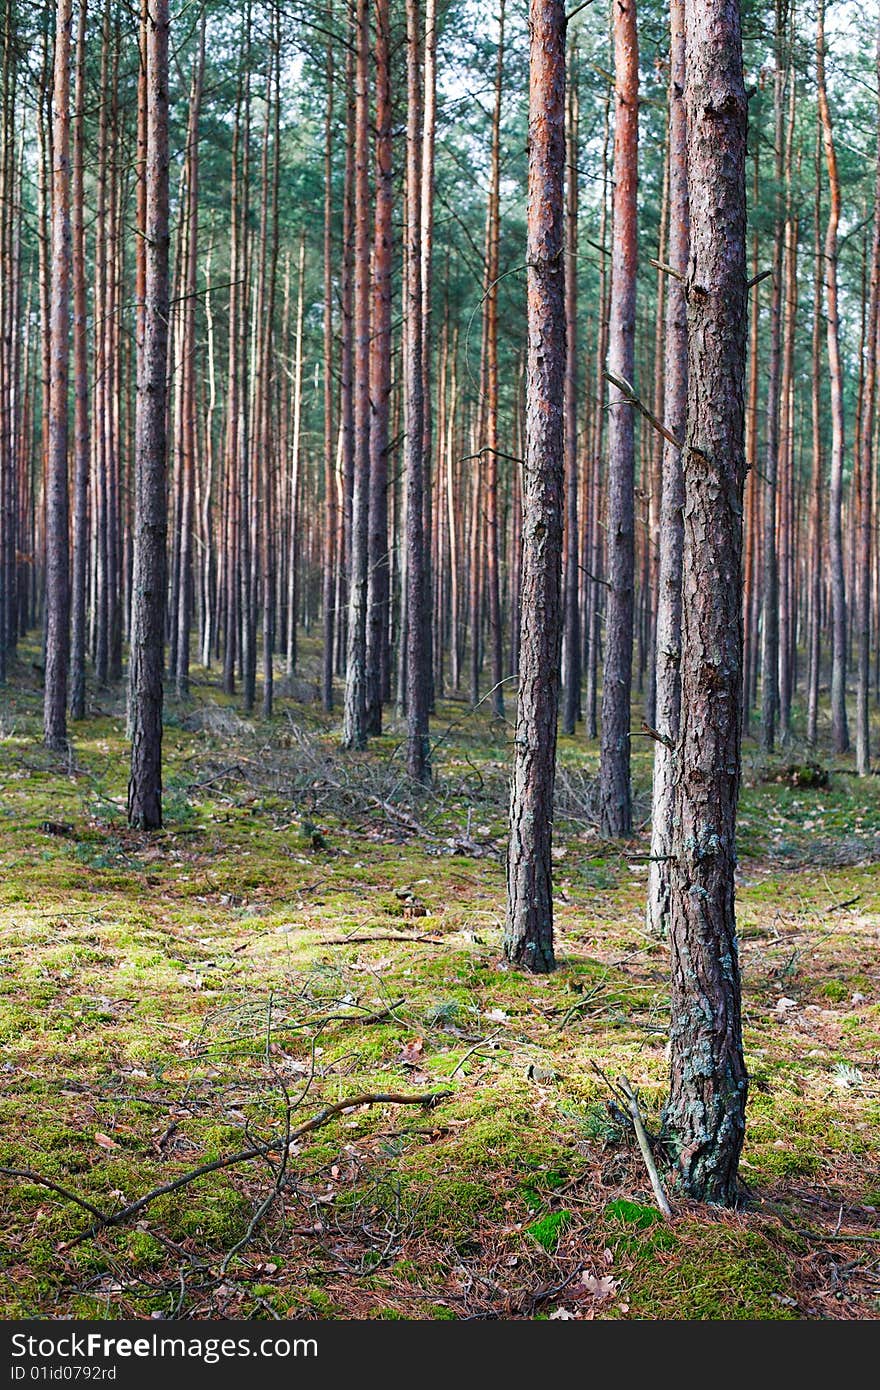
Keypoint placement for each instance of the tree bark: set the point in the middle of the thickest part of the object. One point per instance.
(671, 525)
(615, 795)
(770, 617)
(704, 1120)
(187, 367)
(57, 500)
(418, 764)
(571, 673)
(839, 726)
(380, 383)
(864, 547)
(818, 470)
(331, 518)
(528, 929)
(493, 579)
(354, 725)
(81, 392)
(148, 585)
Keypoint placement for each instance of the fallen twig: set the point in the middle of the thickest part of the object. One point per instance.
(645, 1146)
(471, 1050)
(323, 1117)
(377, 936)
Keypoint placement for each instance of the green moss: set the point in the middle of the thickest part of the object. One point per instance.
(548, 1230)
(718, 1273)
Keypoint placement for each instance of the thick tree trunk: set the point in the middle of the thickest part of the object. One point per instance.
(528, 930)
(671, 525)
(615, 797)
(704, 1121)
(148, 585)
(57, 500)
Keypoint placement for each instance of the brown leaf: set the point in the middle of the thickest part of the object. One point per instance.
(411, 1052)
(105, 1142)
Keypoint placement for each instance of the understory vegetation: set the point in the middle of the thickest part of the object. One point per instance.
(306, 930)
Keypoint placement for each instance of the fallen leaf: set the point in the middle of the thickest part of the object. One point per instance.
(411, 1052)
(498, 1016)
(601, 1286)
(105, 1142)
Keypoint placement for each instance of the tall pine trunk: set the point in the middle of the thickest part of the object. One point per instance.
(57, 500)
(839, 727)
(148, 584)
(615, 797)
(354, 726)
(571, 673)
(81, 392)
(528, 929)
(704, 1121)
(380, 384)
(770, 616)
(671, 524)
(864, 547)
(418, 763)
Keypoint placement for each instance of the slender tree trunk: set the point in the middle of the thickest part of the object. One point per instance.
(274, 473)
(380, 387)
(657, 444)
(148, 585)
(839, 728)
(426, 204)
(492, 437)
(346, 366)
(614, 782)
(187, 367)
(331, 518)
(528, 930)
(57, 501)
(816, 486)
(770, 617)
(354, 726)
(704, 1121)
(81, 393)
(752, 487)
(418, 763)
(571, 674)
(785, 467)
(863, 596)
(594, 540)
(294, 539)
(671, 524)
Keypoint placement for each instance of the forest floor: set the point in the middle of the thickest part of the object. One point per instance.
(307, 929)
